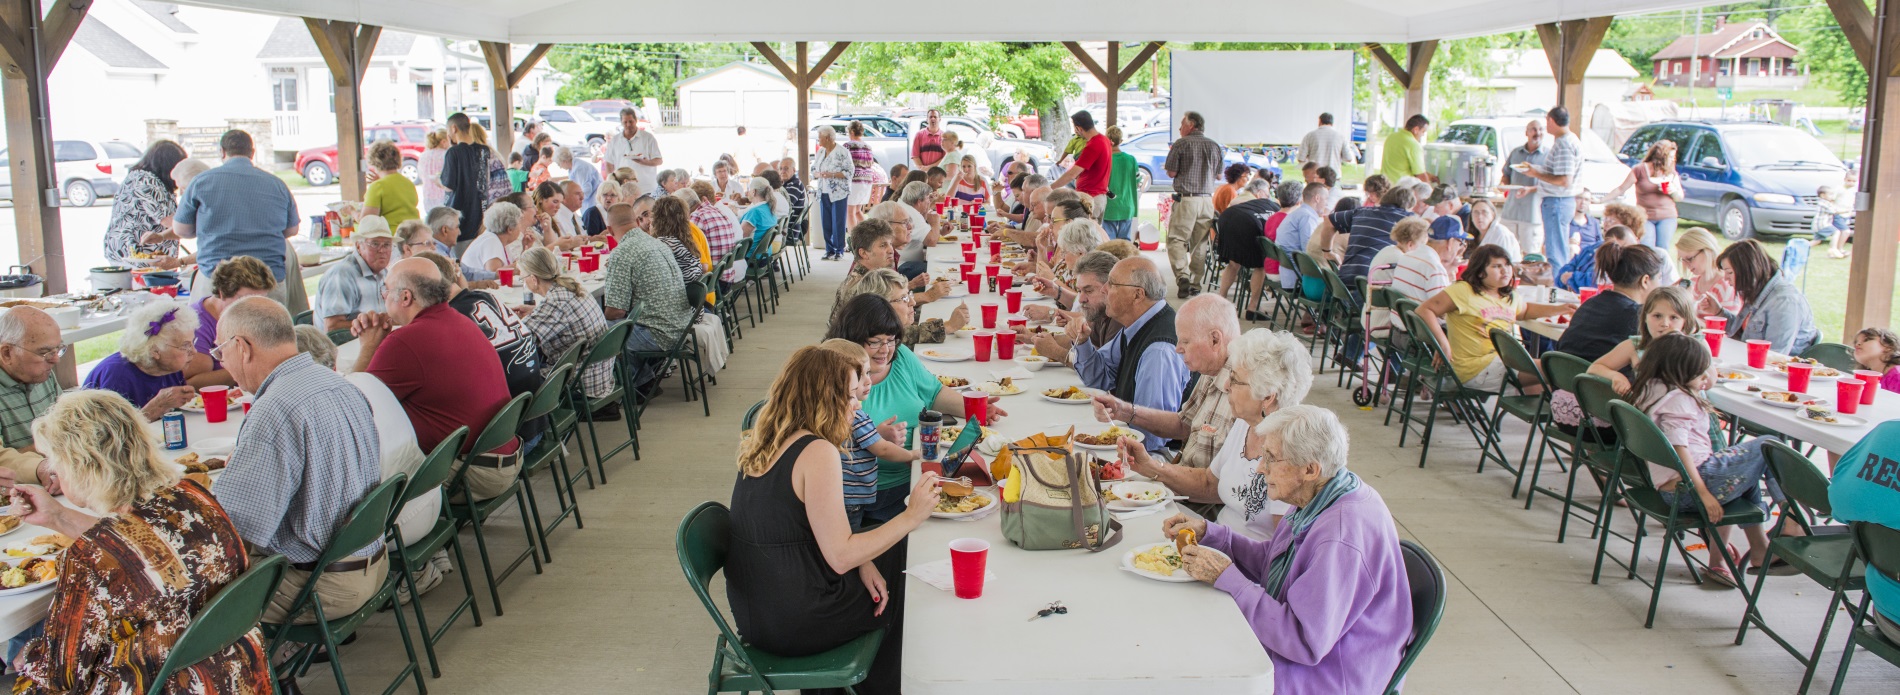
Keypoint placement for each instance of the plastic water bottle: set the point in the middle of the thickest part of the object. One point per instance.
(929, 424)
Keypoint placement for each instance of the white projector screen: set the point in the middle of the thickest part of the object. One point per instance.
(1262, 97)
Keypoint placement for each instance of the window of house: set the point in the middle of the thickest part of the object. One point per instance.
(283, 89)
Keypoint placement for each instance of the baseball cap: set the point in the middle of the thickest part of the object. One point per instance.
(372, 227)
(1448, 227)
(1533, 258)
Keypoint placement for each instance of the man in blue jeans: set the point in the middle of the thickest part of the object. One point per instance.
(1866, 487)
(1557, 181)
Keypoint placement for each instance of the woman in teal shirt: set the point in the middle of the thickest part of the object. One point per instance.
(1119, 217)
(758, 219)
(901, 388)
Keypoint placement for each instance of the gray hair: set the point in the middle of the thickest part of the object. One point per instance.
(882, 282)
(1078, 236)
(1258, 186)
(760, 190)
(564, 157)
(1148, 276)
(1309, 435)
(1096, 263)
(261, 320)
(13, 324)
(501, 217)
(1314, 193)
(444, 216)
(913, 192)
(1277, 365)
(312, 341)
(828, 133)
(188, 169)
(1034, 181)
(138, 346)
(668, 176)
(686, 195)
(1421, 191)
(626, 111)
(889, 211)
(1212, 313)
(1288, 193)
(411, 230)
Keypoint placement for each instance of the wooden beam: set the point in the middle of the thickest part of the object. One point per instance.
(498, 55)
(806, 76)
(346, 48)
(30, 151)
(1094, 68)
(13, 46)
(1870, 273)
(1856, 21)
(1551, 36)
(1113, 87)
(1140, 59)
(1569, 46)
(1391, 64)
(366, 38)
(824, 62)
(520, 71)
(1418, 62)
(62, 21)
(771, 56)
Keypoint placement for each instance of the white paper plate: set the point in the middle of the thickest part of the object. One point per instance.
(213, 447)
(1135, 488)
(989, 492)
(14, 530)
(1745, 389)
(230, 404)
(1180, 576)
(1839, 419)
(1740, 375)
(1096, 429)
(1085, 401)
(944, 355)
(1805, 399)
(30, 588)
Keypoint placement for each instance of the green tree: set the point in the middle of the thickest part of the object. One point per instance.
(636, 70)
(1830, 60)
(1006, 77)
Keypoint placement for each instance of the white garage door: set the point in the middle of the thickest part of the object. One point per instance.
(715, 109)
(769, 109)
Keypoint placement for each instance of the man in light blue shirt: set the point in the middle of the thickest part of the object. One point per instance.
(1558, 183)
(1866, 487)
(1296, 230)
(355, 284)
(446, 222)
(586, 176)
(1139, 364)
(236, 209)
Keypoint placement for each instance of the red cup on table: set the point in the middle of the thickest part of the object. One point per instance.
(217, 400)
(939, 208)
(1715, 323)
(992, 269)
(969, 560)
(1012, 298)
(1715, 342)
(989, 314)
(967, 267)
(969, 254)
(976, 221)
(1872, 381)
(1016, 322)
(612, 242)
(1798, 373)
(1758, 354)
(996, 247)
(1584, 294)
(1005, 345)
(590, 264)
(976, 406)
(1004, 282)
(507, 276)
(1848, 395)
(975, 280)
(246, 402)
(983, 340)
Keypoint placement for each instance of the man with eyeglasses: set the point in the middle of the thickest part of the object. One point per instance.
(1139, 363)
(29, 350)
(355, 284)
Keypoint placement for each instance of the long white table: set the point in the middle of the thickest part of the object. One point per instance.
(1122, 634)
(1834, 438)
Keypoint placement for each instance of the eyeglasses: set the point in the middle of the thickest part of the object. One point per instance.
(906, 299)
(51, 354)
(381, 245)
(880, 344)
(217, 351)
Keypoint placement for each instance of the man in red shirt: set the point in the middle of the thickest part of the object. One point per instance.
(440, 366)
(1091, 169)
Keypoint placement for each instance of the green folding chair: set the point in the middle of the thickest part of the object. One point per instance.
(1642, 440)
(1833, 355)
(1270, 291)
(341, 336)
(692, 372)
(1828, 560)
(304, 318)
(702, 543)
(1426, 579)
(1342, 322)
(551, 454)
(366, 524)
(1878, 546)
(473, 513)
(227, 618)
(751, 416)
(1409, 359)
(1432, 373)
(1314, 308)
(1533, 410)
(430, 477)
(607, 348)
(1562, 371)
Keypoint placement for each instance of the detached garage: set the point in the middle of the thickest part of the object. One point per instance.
(746, 94)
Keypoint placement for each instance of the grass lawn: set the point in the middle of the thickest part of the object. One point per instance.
(1839, 140)
(1705, 96)
(292, 179)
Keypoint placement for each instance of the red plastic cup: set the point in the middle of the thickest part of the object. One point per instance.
(967, 267)
(992, 269)
(1715, 342)
(976, 406)
(1872, 381)
(612, 242)
(507, 276)
(975, 280)
(969, 254)
(1461, 270)
(1012, 298)
(939, 208)
(976, 221)
(1017, 322)
(989, 314)
(1584, 294)
(1005, 281)
(1715, 323)
(996, 247)
(1005, 345)
(983, 340)
(217, 402)
(1798, 373)
(247, 404)
(1758, 354)
(969, 561)
(1848, 395)
(590, 264)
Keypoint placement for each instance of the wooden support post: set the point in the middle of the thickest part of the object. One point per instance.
(803, 77)
(346, 48)
(1875, 37)
(1114, 74)
(506, 75)
(1412, 75)
(1569, 46)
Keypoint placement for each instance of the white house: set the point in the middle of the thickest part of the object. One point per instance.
(746, 94)
(1524, 82)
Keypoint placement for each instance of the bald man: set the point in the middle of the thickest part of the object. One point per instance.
(1138, 364)
(29, 350)
(1204, 328)
(441, 367)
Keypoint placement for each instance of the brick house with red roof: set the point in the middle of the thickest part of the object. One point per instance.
(1746, 54)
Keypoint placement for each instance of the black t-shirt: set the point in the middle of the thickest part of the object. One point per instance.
(465, 175)
(514, 343)
(529, 155)
(1600, 324)
(1248, 218)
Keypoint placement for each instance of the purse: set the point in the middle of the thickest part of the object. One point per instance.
(1060, 506)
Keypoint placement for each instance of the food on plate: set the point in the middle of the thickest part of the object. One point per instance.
(948, 504)
(1820, 415)
(193, 464)
(8, 522)
(955, 382)
(1162, 559)
(938, 354)
(956, 487)
(1751, 388)
(32, 571)
(950, 434)
(1184, 538)
(44, 544)
(1144, 494)
(1107, 436)
(1067, 393)
(1732, 374)
(1000, 387)
(1780, 397)
(1108, 470)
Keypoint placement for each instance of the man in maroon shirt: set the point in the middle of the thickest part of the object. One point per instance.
(926, 150)
(1091, 169)
(440, 366)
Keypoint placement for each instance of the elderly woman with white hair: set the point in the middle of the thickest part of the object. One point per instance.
(760, 217)
(503, 226)
(831, 180)
(891, 285)
(1327, 596)
(1056, 279)
(1268, 371)
(149, 551)
(594, 219)
(154, 350)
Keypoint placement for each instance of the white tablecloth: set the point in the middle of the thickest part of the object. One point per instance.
(1122, 634)
(1835, 438)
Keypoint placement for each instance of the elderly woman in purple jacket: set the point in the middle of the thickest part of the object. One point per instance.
(1327, 596)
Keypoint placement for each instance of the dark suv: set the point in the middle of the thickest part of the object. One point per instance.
(1746, 178)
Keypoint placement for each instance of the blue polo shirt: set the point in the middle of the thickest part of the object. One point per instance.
(239, 210)
(1866, 487)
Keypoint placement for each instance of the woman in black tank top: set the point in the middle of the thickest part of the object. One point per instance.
(799, 581)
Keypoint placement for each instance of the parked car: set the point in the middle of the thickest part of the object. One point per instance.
(1150, 150)
(1602, 171)
(576, 121)
(609, 109)
(318, 164)
(1746, 178)
(572, 141)
(1028, 125)
(889, 139)
(87, 169)
(1002, 151)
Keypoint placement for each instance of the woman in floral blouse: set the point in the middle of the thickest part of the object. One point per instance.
(158, 552)
(144, 206)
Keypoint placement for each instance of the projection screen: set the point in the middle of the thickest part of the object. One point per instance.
(1262, 97)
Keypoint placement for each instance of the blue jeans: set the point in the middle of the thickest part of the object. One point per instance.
(1733, 473)
(18, 643)
(889, 504)
(1659, 234)
(1118, 229)
(641, 339)
(831, 217)
(1556, 213)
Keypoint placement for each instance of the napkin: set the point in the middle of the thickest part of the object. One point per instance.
(1144, 511)
(1015, 374)
(938, 574)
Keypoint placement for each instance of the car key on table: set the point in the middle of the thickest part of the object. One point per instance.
(1054, 609)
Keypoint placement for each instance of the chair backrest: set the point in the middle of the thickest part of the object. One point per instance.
(1427, 582)
(572, 355)
(1422, 340)
(437, 467)
(1834, 355)
(1798, 477)
(1639, 436)
(1380, 297)
(500, 428)
(549, 396)
(1561, 369)
(341, 336)
(304, 318)
(1305, 264)
(1878, 546)
(696, 293)
(751, 415)
(364, 525)
(704, 538)
(1336, 286)
(1269, 249)
(609, 345)
(1517, 360)
(226, 619)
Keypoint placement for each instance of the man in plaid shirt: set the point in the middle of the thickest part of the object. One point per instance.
(722, 231)
(1204, 328)
(29, 350)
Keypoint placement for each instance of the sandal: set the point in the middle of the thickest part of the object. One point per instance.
(1720, 574)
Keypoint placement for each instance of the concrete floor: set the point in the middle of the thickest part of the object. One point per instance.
(613, 613)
